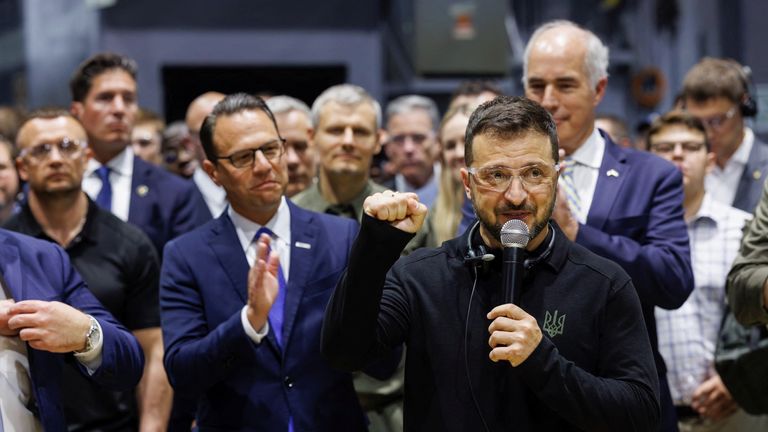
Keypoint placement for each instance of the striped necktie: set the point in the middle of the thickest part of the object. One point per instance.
(568, 185)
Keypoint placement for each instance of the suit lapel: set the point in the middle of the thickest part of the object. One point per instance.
(10, 265)
(303, 231)
(226, 247)
(610, 178)
(139, 180)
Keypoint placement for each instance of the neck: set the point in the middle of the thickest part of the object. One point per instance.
(692, 203)
(260, 216)
(60, 215)
(105, 153)
(726, 153)
(341, 188)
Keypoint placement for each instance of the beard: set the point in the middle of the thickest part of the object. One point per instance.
(495, 228)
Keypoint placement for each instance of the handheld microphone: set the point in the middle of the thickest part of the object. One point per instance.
(514, 239)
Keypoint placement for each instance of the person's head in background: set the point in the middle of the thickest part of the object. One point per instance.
(178, 150)
(146, 136)
(10, 121)
(473, 93)
(294, 121)
(197, 110)
(716, 92)
(616, 128)
(411, 147)
(9, 179)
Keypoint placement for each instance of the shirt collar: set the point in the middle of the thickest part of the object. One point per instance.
(708, 211)
(121, 164)
(741, 155)
(591, 152)
(89, 232)
(280, 225)
(356, 203)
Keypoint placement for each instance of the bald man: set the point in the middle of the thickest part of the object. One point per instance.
(214, 196)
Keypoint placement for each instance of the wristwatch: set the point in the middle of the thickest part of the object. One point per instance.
(91, 337)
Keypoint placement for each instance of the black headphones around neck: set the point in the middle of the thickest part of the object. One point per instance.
(480, 257)
(748, 104)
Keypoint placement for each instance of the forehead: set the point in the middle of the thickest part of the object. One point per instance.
(41, 130)
(112, 80)
(512, 150)
(677, 133)
(706, 107)
(558, 53)
(456, 124)
(334, 114)
(292, 118)
(243, 129)
(411, 119)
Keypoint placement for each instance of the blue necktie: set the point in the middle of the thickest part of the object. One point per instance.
(104, 198)
(276, 313)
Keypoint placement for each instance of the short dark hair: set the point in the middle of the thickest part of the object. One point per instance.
(82, 79)
(712, 78)
(682, 118)
(507, 117)
(230, 105)
(476, 88)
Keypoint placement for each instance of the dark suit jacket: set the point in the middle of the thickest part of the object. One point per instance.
(636, 219)
(752, 179)
(164, 205)
(39, 270)
(242, 385)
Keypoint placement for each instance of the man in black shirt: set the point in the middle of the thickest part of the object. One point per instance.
(473, 360)
(117, 261)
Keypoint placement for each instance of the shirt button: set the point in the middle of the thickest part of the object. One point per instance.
(288, 382)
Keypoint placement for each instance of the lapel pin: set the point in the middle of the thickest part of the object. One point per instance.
(142, 190)
(612, 173)
(756, 174)
(303, 245)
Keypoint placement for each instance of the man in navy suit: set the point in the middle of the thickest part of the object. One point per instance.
(241, 324)
(49, 320)
(717, 92)
(619, 203)
(104, 99)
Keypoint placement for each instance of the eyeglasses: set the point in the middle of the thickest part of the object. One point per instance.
(416, 138)
(668, 146)
(498, 178)
(271, 151)
(717, 121)
(67, 147)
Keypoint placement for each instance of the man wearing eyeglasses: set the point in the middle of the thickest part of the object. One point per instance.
(412, 147)
(717, 92)
(242, 297)
(116, 260)
(104, 99)
(688, 335)
(571, 353)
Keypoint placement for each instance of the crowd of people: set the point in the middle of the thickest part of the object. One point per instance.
(264, 264)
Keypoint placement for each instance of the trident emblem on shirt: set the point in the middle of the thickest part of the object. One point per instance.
(553, 324)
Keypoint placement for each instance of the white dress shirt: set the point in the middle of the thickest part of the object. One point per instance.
(280, 225)
(586, 168)
(120, 175)
(722, 183)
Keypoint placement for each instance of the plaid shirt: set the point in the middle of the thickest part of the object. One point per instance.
(688, 335)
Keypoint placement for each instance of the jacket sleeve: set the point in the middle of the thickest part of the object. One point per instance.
(656, 254)
(747, 278)
(353, 333)
(189, 210)
(626, 394)
(122, 361)
(196, 357)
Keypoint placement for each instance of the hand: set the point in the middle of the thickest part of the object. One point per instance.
(514, 334)
(564, 217)
(4, 316)
(402, 210)
(49, 326)
(713, 400)
(262, 283)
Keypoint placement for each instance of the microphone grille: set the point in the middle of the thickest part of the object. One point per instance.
(514, 233)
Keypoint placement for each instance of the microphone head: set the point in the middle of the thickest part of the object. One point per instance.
(514, 233)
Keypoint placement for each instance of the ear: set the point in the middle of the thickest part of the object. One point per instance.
(21, 168)
(76, 109)
(210, 169)
(602, 85)
(465, 180)
(381, 137)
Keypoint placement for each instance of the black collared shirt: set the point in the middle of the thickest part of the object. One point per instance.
(120, 266)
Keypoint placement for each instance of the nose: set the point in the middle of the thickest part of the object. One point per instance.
(677, 152)
(291, 157)
(515, 193)
(349, 136)
(549, 100)
(260, 163)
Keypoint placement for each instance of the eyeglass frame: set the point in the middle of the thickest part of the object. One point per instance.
(699, 145)
(717, 121)
(399, 139)
(281, 145)
(528, 187)
(80, 145)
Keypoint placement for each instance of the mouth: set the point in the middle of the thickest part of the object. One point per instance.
(523, 215)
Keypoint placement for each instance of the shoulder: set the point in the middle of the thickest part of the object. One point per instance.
(596, 266)
(648, 162)
(171, 183)
(307, 196)
(330, 222)
(191, 241)
(123, 232)
(376, 188)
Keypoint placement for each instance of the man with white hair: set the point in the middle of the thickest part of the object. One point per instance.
(294, 122)
(622, 204)
(412, 148)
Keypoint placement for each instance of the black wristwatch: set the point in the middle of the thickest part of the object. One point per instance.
(92, 337)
